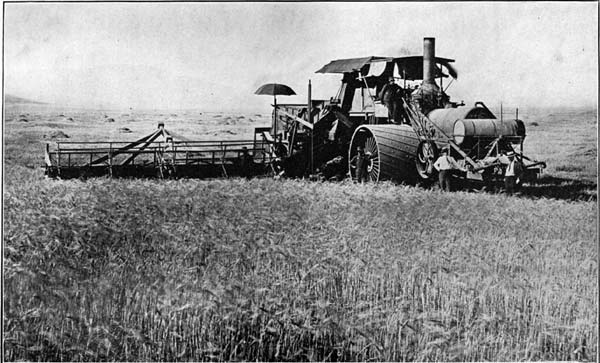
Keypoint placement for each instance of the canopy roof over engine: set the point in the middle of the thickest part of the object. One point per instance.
(351, 64)
(409, 67)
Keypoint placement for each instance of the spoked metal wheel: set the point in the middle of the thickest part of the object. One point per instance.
(373, 153)
(392, 149)
(363, 138)
(427, 153)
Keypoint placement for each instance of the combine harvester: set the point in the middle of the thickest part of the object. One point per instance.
(405, 151)
(323, 135)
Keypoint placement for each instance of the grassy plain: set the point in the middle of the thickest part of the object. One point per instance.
(294, 270)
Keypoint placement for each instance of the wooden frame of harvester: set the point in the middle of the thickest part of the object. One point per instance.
(160, 154)
(323, 135)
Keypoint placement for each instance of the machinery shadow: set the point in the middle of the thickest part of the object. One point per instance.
(561, 188)
(553, 187)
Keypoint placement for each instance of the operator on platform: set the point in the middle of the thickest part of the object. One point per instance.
(391, 95)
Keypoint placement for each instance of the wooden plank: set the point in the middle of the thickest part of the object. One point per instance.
(223, 161)
(292, 140)
(191, 144)
(110, 162)
(58, 157)
(151, 150)
(47, 156)
(297, 119)
(148, 142)
(492, 147)
(343, 119)
(267, 136)
(465, 156)
(125, 148)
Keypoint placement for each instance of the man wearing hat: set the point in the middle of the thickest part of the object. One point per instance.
(390, 95)
(361, 162)
(512, 173)
(445, 165)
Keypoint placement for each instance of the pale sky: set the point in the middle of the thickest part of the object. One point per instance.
(213, 56)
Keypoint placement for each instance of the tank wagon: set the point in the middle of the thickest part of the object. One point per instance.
(403, 150)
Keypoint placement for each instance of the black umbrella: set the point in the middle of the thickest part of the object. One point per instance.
(274, 89)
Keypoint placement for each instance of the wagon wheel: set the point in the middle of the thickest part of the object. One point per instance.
(374, 166)
(427, 153)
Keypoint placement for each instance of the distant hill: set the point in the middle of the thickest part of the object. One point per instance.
(10, 99)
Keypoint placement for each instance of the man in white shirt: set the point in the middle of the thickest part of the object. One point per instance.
(512, 173)
(445, 165)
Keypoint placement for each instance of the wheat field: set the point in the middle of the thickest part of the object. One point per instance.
(291, 270)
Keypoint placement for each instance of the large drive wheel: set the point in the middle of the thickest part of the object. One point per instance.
(374, 163)
(393, 150)
(368, 142)
(427, 153)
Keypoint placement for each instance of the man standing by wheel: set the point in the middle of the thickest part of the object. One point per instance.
(445, 165)
(361, 162)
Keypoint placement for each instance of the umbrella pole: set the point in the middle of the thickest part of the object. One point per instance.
(275, 116)
(312, 131)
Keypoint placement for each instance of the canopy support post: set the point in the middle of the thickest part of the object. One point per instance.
(275, 116)
(312, 131)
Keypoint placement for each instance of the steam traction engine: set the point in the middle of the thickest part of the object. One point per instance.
(322, 134)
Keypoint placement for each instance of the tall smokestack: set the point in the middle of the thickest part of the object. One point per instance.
(429, 63)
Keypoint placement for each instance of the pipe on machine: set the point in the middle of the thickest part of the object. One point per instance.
(465, 129)
(466, 123)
